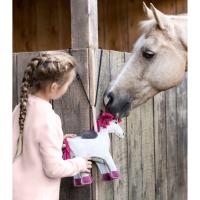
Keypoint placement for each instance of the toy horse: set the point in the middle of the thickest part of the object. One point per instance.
(97, 148)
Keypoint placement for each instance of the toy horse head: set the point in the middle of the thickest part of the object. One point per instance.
(106, 122)
(115, 128)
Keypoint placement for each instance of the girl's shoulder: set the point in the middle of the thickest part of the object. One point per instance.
(42, 111)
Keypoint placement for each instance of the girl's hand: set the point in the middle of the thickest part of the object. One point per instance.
(68, 135)
(88, 164)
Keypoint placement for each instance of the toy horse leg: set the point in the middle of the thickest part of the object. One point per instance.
(101, 165)
(104, 171)
(82, 179)
(108, 170)
(113, 172)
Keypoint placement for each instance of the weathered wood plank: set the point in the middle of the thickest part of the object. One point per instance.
(48, 23)
(102, 19)
(181, 6)
(92, 84)
(135, 170)
(181, 112)
(115, 25)
(119, 146)
(148, 180)
(171, 131)
(104, 78)
(41, 25)
(133, 18)
(101, 189)
(160, 147)
(134, 138)
(64, 24)
(84, 24)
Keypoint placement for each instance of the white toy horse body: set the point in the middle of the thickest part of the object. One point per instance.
(98, 147)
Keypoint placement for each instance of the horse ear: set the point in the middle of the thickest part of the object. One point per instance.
(148, 12)
(161, 19)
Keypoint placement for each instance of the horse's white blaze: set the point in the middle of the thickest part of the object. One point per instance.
(120, 78)
(117, 80)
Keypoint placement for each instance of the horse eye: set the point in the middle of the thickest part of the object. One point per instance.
(148, 54)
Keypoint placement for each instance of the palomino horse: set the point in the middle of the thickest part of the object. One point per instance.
(158, 62)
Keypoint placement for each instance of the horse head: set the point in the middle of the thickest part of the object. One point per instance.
(158, 62)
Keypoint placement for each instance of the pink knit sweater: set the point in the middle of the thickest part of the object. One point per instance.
(37, 172)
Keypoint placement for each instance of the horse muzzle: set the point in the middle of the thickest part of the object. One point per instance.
(117, 104)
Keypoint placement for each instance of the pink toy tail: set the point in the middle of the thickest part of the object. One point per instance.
(66, 152)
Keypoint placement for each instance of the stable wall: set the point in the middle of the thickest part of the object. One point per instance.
(46, 24)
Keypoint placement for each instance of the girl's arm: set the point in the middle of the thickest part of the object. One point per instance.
(54, 166)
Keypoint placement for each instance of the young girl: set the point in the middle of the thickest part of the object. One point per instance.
(37, 134)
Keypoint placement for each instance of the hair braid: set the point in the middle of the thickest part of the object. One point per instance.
(26, 83)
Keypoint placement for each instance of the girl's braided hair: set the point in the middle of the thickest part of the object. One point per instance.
(42, 70)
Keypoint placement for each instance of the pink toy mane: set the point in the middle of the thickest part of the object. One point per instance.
(104, 120)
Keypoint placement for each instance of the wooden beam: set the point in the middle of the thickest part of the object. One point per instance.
(84, 24)
(84, 27)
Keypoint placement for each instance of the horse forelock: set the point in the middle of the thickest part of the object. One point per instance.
(147, 25)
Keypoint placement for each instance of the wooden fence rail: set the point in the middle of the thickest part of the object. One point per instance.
(152, 158)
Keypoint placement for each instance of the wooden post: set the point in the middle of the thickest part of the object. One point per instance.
(84, 34)
(84, 26)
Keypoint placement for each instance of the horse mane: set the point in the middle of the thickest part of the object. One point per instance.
(147, 25)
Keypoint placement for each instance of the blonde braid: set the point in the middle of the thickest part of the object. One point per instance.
(26, 83)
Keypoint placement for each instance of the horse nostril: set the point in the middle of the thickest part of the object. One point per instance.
(109, 98)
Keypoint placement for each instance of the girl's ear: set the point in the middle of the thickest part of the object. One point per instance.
(53, 87)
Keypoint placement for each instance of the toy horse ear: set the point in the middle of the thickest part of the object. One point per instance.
(115, 121)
